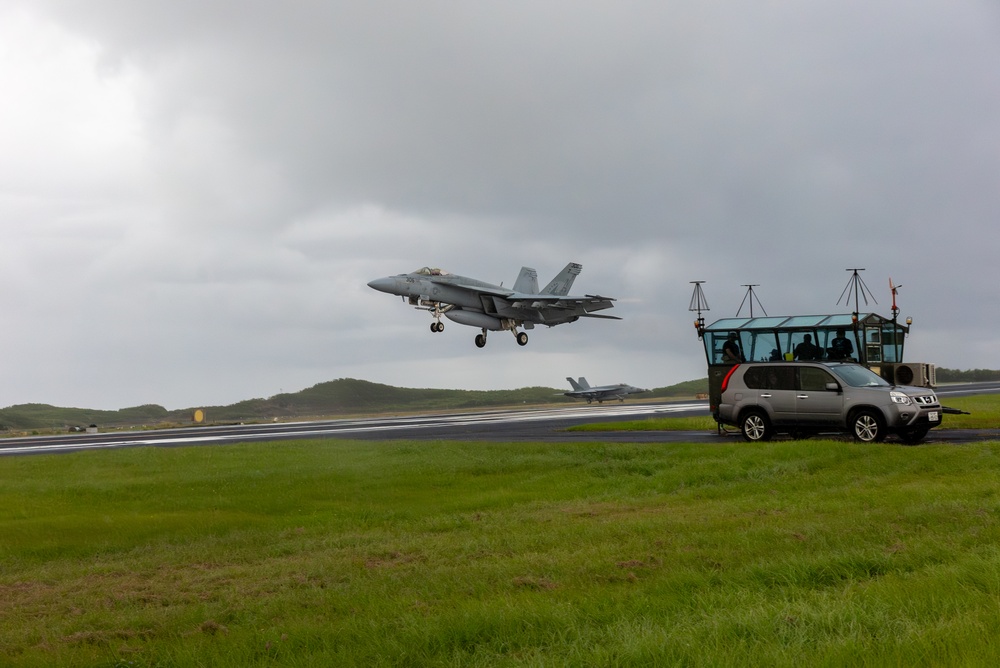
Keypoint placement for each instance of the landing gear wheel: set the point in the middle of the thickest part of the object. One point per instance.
(522, 338)
(755, 427)
(480, 340)
(868, 427)
(913, 435)
(437, 326)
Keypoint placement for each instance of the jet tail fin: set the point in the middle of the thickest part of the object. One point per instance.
(576, 386)
(563, 281)
(584, 384)
(527, 281)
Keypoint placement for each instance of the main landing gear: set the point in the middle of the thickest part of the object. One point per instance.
(521, 337)
(437, 326)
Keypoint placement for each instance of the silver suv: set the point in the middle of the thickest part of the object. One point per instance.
(802, 398)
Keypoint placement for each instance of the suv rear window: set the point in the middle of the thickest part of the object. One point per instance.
(770, 377)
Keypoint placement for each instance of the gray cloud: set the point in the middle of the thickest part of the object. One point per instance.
(195, 194)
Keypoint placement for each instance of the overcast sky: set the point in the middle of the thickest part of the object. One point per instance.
(194, 194)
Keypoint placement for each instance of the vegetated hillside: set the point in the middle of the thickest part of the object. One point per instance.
(688, 388)
(347, 395)
(35, 416)
(344, 396)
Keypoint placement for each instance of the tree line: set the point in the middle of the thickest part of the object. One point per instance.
(967, 376)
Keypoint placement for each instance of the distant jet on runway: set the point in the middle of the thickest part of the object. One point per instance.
(472, 302)
(583, 390)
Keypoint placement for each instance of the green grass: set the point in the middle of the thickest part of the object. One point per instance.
(490, 554)
(983, 409)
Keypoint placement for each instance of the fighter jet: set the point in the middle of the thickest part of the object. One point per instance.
(583, 390)
(492, 308)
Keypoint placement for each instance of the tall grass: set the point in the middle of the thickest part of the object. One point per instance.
(369, 554)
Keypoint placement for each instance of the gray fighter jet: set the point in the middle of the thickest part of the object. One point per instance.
(492, 308)
(583, 390)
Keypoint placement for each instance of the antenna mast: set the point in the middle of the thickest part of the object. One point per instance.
(751, 297)
(699, 304)
(861, 291)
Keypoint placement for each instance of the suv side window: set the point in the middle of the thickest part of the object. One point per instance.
(770, 377)
(812, 379)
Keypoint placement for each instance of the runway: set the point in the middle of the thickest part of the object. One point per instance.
(528, 424)
(543, 424)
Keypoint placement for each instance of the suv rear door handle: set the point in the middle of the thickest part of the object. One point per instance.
(765, 395)
(801, 396)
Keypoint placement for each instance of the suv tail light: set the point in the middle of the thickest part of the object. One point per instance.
(725, 381)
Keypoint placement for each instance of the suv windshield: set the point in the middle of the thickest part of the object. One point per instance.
(858, 376)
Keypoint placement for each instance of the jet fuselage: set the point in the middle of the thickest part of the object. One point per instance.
(439, 290)
(469, 301)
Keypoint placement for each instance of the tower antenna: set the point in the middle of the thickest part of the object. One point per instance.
(750, 297)
(861, 291)
(699, 304)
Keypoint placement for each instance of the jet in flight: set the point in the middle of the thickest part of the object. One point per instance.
(583, 390)
(469, 301)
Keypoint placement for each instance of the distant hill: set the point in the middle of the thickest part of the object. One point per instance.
(345, 396)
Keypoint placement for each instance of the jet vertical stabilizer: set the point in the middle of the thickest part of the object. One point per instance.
(527, 282)
(561, 284)
(584, 384)
(574, 384)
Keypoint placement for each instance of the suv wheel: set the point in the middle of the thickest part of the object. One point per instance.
(755, 427)
(868, 427)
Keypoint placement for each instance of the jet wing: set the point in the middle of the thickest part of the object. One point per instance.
(585, 304)
(551, 309)
(557, 301)
(581, 394)
(486, 290)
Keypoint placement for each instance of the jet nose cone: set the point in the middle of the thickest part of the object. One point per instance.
(382, 284)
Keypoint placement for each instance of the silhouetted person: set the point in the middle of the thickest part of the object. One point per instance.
(731, 349)
(807, 350)
(841, 347)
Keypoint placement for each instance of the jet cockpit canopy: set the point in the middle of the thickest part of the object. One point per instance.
(431, 271)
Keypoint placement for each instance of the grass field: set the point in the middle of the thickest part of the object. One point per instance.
(478, 554)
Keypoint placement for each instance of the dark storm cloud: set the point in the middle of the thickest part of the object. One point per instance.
(286, 154)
